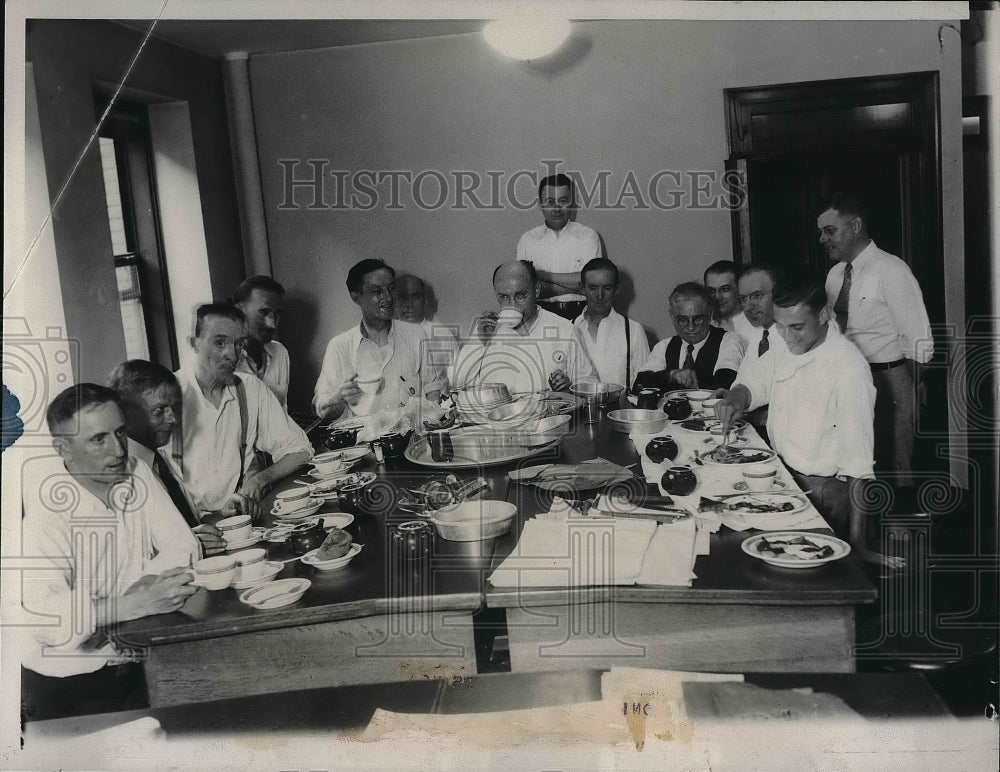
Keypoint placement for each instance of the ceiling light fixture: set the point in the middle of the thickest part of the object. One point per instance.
(527, 39)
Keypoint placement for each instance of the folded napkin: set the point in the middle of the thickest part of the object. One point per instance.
(590, 474)
(670, 557)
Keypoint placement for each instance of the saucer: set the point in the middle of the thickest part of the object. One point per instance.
(339, 520)
(331, 565)
(283, 592)
(273, 569)
(742, 486)
(298, 514)
(255, 536)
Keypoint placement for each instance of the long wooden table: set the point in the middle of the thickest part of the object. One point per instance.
(369, 624)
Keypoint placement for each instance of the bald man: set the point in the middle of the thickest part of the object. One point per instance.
(411, 306)
(534, 350)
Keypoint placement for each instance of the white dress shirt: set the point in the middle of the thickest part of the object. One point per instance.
(730, 353)
(751, 337)
(524, 358)
(442, 343)
(144, 454)
(608, 351)
(274, 371)
(211, 434)
(886, 317)
(407, 363)
(566, 250)
(822, 406)
(90, 551)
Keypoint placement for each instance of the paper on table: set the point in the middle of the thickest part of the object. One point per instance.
(670, 556)
(574, 553)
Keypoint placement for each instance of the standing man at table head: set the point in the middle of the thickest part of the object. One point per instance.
(559, 247)
(822, 402)
(616, 344)
(262, 301)
(720, 280)
(878, 305)
(228, 418)
(700, 355)
(391, 358)
(151, 398)
(527, 348)
(108, 547)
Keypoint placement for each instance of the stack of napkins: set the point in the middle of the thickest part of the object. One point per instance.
(560, 549)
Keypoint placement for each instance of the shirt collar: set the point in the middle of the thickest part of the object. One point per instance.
(864, 257)
(358, 332)
(137, 450)
(583, 320)
(794, 362)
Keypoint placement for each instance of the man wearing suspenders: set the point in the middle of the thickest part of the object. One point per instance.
(617, 345)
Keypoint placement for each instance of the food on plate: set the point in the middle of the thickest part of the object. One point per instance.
(336, 545)
(799, 547)
(744, 504)
(727, 455)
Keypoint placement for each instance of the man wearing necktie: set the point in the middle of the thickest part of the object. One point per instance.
(700, 355)
(879, 307)
(151, 397)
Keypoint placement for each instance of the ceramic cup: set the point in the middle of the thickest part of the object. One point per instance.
(235, 528)
(760, 480)
(250, 564)
(368, 384)
(215, 573)
(291, 500)
(509, 317)
(328, 463)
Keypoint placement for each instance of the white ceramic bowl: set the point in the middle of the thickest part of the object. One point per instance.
(638, 420)
(271, 569)
(250, 564)
(333, 564)
(214, 573)
(760, 479)
(770, 460)
(235, 528)
(283, 592)
(474, 520)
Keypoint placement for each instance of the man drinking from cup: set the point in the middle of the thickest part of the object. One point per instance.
(380, 363)
(523, 346)
(822, 401)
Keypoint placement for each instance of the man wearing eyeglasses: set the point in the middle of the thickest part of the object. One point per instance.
(878, 305)
(227, 418)
(700, 355)
(523, 346)
(559, 247)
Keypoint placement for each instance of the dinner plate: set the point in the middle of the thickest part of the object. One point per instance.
(771, 455)
(298, 514)
(796, 541)
(353, 422)
(273, 569)
(709, 424)
(798, 500)
(331, 565)
(283, 592)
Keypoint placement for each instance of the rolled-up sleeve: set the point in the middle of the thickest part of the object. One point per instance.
(657, 359)
(731, 351)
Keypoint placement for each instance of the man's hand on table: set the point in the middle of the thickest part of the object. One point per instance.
(158, 594)
(254, 487)
(878, 558)
(211, 539)
(241, 504)
(558, 381)
(731, 406)
(686, 379)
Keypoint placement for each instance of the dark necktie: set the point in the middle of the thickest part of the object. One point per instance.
(689, 359)
(162, 470)
(763, 346)
(840, 307)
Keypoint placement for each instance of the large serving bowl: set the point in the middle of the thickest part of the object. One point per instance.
(638, 420)
(519, 411)
(603, 393)
(546, 430)
(474, 520)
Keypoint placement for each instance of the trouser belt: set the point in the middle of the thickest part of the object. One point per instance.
(879, 366)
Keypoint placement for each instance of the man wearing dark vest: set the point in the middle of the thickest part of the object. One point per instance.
(699, 355)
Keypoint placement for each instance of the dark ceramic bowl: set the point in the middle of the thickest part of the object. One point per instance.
(306, 537)
(341, 438)
(393, 445)
(354, 499)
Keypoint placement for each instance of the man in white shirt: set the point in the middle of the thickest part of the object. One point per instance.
(536, 351)
(227, 419)
(822, 409)
(720, 280)
(700, 355)
(391, 358)
(262, 301)
(877, 302)
(151, 398)
(616, 344)
(411, 306)
(118, 550)
(560, 247)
